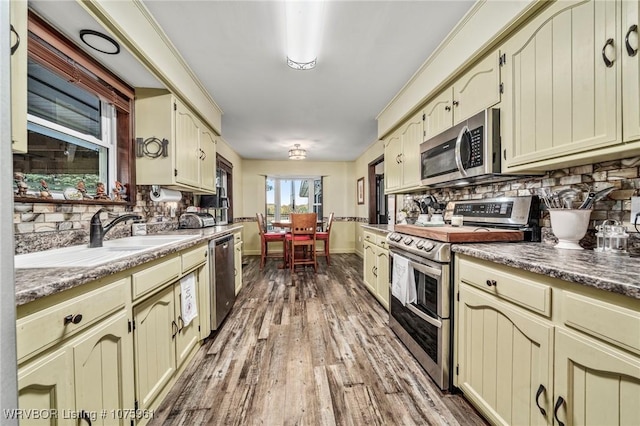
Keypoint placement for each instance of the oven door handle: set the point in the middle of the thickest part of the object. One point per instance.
(434, 322)
(425, 269)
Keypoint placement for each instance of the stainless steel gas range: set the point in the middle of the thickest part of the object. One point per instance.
(421, 308)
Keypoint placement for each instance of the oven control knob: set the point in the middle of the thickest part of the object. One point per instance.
(428, 246)
(407, 240)
(419, 244)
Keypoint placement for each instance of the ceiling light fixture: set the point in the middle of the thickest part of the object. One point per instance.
(304, 25)
(297, 153)
(100, 42)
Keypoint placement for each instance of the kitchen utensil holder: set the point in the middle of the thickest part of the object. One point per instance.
(569, 226)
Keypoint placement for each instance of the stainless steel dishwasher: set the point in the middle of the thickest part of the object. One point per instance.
(223, 292)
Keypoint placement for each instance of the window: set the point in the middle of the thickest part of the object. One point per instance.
(79, 119)
(71, 135)
(286, 195)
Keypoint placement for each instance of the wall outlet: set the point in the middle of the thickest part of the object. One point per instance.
(173, 211)
(139, 229)
(635, 209)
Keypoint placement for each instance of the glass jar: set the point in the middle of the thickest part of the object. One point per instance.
(619, 239)
(603, 236)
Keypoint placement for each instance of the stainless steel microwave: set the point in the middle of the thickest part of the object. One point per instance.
(468, 152)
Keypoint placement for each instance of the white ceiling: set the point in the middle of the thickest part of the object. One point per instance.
(369, 50)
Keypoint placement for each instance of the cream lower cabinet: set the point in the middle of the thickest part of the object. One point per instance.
(531, 349)
(376, 266)
(504, 357)
(402, 156)
(595, 384)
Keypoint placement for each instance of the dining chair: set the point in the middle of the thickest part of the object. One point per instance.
(302, 240)
(324, 237)
(266, 238)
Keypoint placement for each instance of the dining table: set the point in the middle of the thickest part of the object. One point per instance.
(286, 224)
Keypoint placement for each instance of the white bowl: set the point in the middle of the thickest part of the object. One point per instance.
(569, 226)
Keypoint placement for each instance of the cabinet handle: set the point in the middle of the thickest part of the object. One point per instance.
(456, 103)
(85, 416)
(15, 46)
(235, 272)
(538, 393)
(69, 319)
(400, 158)
(204, 155)
(630, 50)
(180, 321)
(492, 283)
(174, 333)
(608, 62)
(447, 108)
(375, 271)
(559, 403)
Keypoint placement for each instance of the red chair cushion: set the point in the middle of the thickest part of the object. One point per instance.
(298, 238)
(322, 235)
(273, 236)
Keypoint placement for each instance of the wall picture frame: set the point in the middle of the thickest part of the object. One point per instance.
(360, 190)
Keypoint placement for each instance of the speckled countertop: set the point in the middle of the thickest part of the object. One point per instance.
(615, 273)
(609, 272)
(32, 284)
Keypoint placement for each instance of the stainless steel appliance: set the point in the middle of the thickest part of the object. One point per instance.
(423, 322)
(466, 153)
(193, 220)
(223, 293)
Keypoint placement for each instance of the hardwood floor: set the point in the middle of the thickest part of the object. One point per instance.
(313, 350)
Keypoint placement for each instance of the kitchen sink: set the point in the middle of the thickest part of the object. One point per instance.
(83, 256)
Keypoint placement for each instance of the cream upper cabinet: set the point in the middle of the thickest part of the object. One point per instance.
(504, 359)
(402, 156)
(19, 75)
(187, 162)
(562, 83)
(595, 384)
(475, 90)
(630, 71)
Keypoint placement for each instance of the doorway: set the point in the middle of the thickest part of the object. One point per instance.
(378, 207)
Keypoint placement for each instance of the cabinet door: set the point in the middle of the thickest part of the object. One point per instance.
(392, 165)
(154, 333)
(560, 98)
(47, 385)
(103, 368)
(438, 114)
(208, 160)
(599, 385)
(478, 89)
(187, 336)
(630, 71)
(369, 266)
(187, 147)
(504, 357)
(19, 76)
(382, 279)
(411, 137)
(237, 261)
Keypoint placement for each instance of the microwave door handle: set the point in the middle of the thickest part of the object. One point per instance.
(457, 150)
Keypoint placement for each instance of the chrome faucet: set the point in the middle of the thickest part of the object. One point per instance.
(97, 232)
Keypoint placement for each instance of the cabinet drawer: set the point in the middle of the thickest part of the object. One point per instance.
(381, 241)
(606, 321)
(154, 276)
(194, 257)
(41, 329)
(515, 286)
(368, 236)
(237, 237)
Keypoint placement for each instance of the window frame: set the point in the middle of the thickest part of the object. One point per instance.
(61, 56)
(277, 192)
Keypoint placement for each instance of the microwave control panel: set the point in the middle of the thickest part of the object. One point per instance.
(475, 144)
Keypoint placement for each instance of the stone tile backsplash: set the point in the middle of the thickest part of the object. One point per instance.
(624, 175)
(42, 226)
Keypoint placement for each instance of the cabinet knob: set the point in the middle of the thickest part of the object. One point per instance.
(72, 319)
(455, 103)
(491, 283)
(447, 108)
